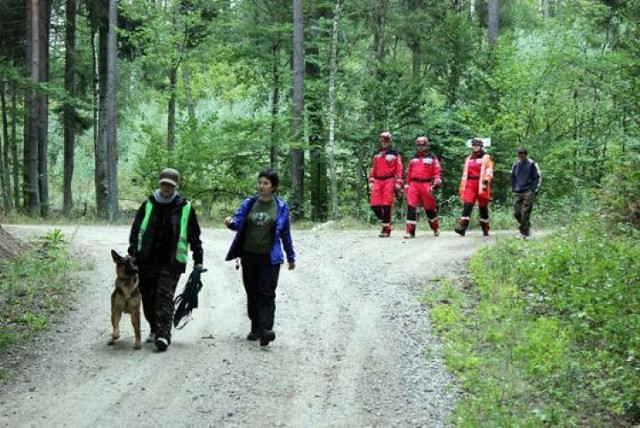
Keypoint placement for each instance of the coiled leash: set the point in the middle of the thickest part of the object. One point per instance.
(187, 301)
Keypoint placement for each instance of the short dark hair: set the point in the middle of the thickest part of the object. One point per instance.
(271, 176)
(523, 151)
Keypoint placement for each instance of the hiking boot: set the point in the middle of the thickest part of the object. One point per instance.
(267, 336)
(253, 335)
(409, 236)
(460, 230)
(162, 344)
(151, 338)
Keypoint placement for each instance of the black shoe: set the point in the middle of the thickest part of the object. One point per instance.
(267, 336)
(460, 231)
(162, 344)
(253, 335)
(485, 233)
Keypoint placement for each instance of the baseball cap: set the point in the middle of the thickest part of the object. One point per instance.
(169, 176)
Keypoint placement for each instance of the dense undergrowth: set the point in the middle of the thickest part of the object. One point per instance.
(547, 332)
(34, 288)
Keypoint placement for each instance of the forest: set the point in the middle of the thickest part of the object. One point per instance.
(98, 96)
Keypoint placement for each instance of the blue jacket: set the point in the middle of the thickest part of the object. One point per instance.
(282, 232)
(525, 176)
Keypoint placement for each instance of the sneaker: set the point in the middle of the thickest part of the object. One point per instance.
(151, 338)
(161, 344)
(267, 336)
(253, 335)
(384, 235)
(436, 233)
(460, 231)
(522, 236)
(409, 236)
(485, 233)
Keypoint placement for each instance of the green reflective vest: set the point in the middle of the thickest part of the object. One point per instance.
(182, 250)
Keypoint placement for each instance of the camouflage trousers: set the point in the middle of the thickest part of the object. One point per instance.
(158, 287)
(522, 207)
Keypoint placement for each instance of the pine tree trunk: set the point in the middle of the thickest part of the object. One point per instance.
(31, 191)
(111, 116)
(69, 122)
(297, 153)
(43, 109)
(333, 72)
(4, 162)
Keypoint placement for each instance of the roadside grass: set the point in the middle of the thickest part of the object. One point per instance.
(34, 288)
(546, 332)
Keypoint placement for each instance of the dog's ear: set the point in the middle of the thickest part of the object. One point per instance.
(115, 256)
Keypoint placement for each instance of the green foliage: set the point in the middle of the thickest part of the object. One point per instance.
(35, 288)
(619, 197)
(550, 334)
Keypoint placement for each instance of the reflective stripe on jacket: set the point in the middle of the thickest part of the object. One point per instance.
(486, 174)
(182, 246)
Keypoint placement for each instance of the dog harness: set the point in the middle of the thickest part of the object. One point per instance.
(182, 250)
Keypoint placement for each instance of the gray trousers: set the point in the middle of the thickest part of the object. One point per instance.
(522, 206)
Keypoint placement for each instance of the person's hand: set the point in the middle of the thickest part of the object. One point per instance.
(371, 185)
(398, 187)
(485, 184)
(132, 251)
(227, 221)
(292, 265)
(199, 268)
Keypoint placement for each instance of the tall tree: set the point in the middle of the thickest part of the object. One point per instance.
(31, 183)
(297, 151)
(5, 181)
(111, 116)
(98, 13)
(43, 108)
(494, 22)
(333, 71)
(69, 121)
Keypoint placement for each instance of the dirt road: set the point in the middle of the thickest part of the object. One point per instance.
(354, 345)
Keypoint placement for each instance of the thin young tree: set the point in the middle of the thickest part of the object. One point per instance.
(69, 122)
(333, 72)
(297, 151)
(110, 107)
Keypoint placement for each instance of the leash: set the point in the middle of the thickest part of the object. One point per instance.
(187, 301)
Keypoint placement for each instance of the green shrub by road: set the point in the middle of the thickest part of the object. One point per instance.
(546, 332)
(34, 288)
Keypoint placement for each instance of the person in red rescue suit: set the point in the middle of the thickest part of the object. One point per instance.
(475, 186)
(384, 179)
(423, 176)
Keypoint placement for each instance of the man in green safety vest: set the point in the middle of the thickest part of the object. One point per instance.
(164, 226)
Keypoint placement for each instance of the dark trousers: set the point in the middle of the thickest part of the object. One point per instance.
(158, 287)
(260, 279)
(522, 207)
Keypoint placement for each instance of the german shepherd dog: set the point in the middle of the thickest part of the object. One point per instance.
(125, 297)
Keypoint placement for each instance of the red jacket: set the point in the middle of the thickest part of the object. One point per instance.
(478, 168)
(386, 164)
(422, 167)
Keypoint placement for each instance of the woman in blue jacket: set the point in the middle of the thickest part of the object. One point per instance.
(262, 226)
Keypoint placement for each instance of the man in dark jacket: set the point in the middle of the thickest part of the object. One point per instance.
(525, 182)
(164, 225)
